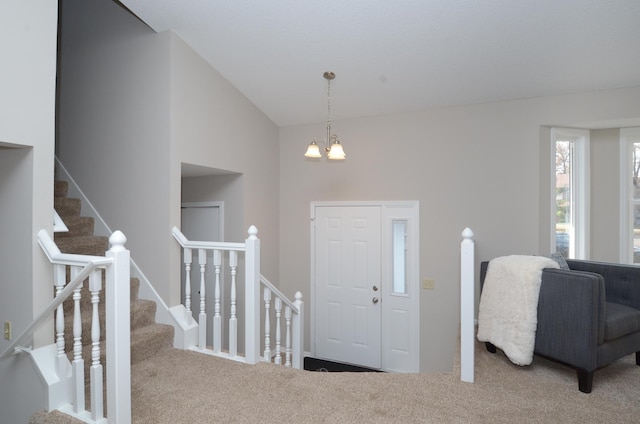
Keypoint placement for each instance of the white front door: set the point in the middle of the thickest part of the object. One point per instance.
(347, 264)
(365, 289)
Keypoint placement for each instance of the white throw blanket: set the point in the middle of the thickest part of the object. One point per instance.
(508, 311)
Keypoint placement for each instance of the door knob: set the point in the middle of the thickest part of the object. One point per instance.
(375, 288)
(374, 300)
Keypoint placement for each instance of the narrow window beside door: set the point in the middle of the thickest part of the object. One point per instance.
(399, 256)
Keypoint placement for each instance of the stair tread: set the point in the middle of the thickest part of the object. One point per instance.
(142, 314)
(84, 245)
(77, 225)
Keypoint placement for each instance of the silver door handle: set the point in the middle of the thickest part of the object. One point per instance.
(375, 288)
(374, 300)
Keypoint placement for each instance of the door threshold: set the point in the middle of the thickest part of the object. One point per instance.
(323, 365)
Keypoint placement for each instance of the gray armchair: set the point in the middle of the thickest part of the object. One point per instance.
(588, 316)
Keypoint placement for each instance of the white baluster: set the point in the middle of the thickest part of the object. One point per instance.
(287, 356)
(202, 318)
(267, 324)
(217, 317)
(233, 320)
(78, 362)
(96, 376)
(187, 284)
(59, 277)
(278, 307)
(297, 327)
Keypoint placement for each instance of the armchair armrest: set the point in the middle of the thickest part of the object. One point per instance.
(622, 282)
(570, 317)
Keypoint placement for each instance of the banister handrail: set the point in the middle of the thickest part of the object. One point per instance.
(189, 244)
(51, 307)
(278, 293)
(56, 257)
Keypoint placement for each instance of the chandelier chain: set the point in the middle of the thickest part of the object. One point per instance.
(329, 104)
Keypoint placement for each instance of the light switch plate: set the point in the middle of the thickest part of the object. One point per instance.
(428, 284)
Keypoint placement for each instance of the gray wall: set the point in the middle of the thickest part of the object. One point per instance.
(479, 166)
(605, 195)
(214, 126)
(27, 109)
(226, 188)
(113, 124)
(134, 106)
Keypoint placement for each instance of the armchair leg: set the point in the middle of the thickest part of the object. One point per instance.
(491, 348)
(585, 381)
(637, 358)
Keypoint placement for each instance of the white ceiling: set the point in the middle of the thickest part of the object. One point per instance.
(404, 55)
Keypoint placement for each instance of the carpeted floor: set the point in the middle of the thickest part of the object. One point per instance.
(186, 387)
(182, 387)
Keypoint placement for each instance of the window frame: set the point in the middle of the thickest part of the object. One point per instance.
(580, 190)
(627, 202)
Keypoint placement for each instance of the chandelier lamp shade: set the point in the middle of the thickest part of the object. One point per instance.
(331, 145)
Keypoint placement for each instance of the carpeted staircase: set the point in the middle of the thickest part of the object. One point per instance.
(147, 336)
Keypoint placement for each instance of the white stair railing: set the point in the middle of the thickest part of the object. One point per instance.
(68, 393)
(258, 293)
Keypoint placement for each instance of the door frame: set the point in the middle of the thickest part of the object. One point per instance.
(207, 204)
(390, 211)
(195, 308)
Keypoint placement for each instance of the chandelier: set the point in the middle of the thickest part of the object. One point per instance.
(331, 144)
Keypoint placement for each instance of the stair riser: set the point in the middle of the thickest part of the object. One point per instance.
(66, 206)
(85, 296)
(60, 188)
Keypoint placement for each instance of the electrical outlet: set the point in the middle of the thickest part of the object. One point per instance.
(7, 330)
(428, 284)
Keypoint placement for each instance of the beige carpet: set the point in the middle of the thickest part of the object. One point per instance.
(185, 387)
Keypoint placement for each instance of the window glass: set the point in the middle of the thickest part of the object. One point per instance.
(570, 191)
(630, 195)
(399, 240)
(564, 196)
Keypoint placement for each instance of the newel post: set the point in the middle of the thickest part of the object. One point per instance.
(298, 333)
(117, 295)
(252, 296)
(467, 298)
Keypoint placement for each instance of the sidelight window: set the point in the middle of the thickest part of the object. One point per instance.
(399, 240)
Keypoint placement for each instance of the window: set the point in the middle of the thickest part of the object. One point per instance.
(630, 195)
(570, 191)
(399, 238)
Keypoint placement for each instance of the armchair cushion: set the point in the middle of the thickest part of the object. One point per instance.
(620, 320)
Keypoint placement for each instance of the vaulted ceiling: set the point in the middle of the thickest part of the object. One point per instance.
(405, 55)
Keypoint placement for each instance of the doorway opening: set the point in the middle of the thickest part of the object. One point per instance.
(365, 284)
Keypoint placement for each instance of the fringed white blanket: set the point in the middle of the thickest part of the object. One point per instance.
(508, 311)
